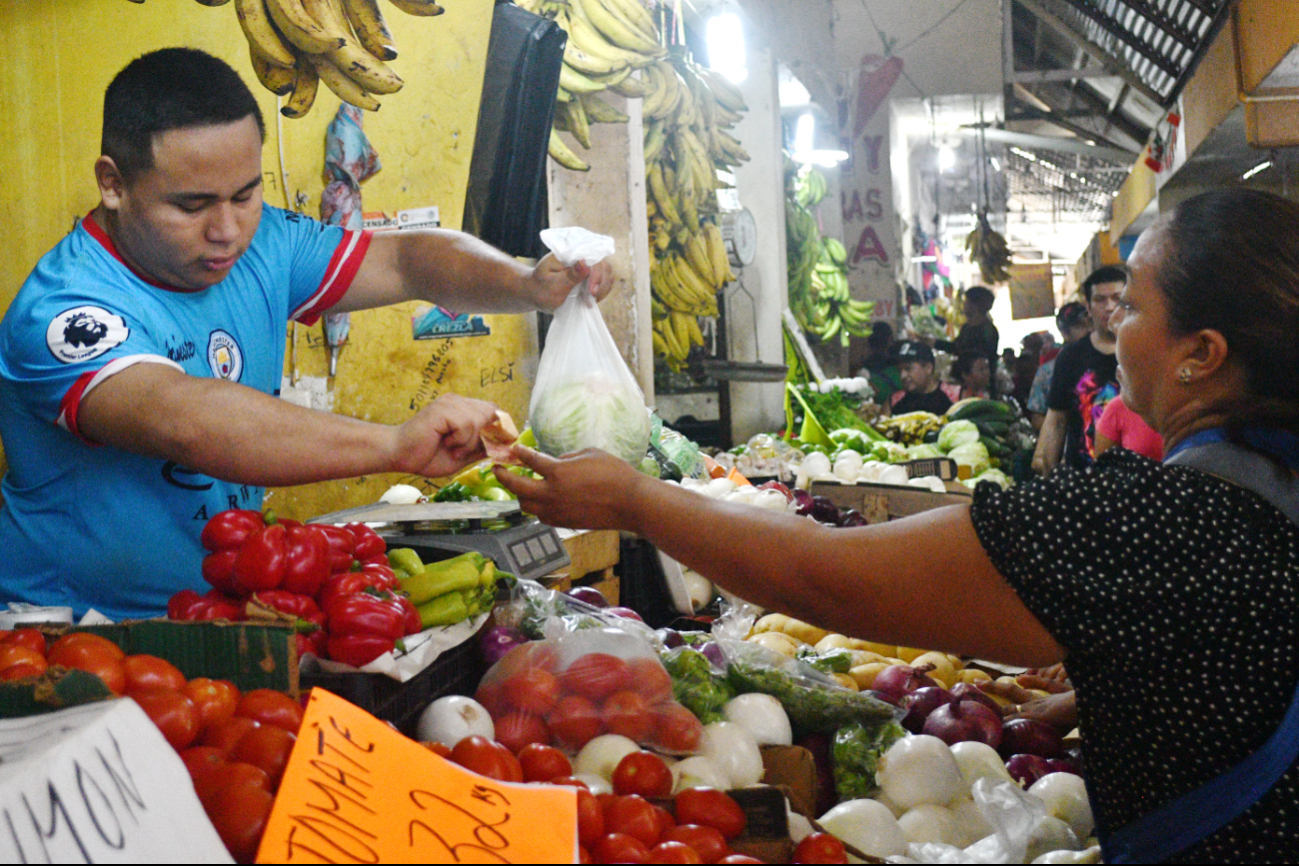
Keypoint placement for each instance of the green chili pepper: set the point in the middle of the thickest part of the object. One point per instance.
(451, 575)
(447, 609)
(405, 562)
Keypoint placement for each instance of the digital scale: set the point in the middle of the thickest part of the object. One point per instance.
(500, 531)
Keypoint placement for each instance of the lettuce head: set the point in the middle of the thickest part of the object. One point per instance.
(956, 434)
(594, 412)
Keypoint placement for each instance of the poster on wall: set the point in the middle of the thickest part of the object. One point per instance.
(1032, 295)
(866, 189)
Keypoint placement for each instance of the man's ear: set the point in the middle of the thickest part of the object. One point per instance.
(110, 181)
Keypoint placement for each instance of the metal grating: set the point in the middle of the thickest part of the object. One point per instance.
(1059, 187)
(1160, 41)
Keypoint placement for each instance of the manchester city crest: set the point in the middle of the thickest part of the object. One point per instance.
(224, 356)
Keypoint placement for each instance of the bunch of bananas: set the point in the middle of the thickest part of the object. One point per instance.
(910, 428)
(988, 249)
(296, 44)
(607, 41)
(841, 316)
(687, 114)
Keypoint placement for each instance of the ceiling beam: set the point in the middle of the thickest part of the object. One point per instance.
(1039, 76)
(1120, 32)
(1094, 51)
(1047, 142)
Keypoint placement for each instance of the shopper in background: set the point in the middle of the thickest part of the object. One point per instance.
(1026, 365)
(971, 376)
(140, 361)
(881, 363)
(1171, 590)
(1073, 323)
(1119, 425)
(920, 387)
(1084, 380)
(978, 336)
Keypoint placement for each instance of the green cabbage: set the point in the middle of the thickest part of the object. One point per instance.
(996, 476)
(597, 412)
(956, 434)
(921, 452)
(974, 455)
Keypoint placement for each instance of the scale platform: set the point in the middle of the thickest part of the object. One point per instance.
(500, 531)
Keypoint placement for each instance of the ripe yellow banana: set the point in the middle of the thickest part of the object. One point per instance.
(575, 114)
(258, 30)
(418, 7)
(663, 198)
(276, 79)
(563, 154)
(614, 29)
(371, 29)
(631, 87)
(717, 253)
(343, 87)
(301, 29)
(698, 259)
(356, 63)
(305, 84)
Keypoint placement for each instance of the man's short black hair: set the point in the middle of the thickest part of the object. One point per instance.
(1102, 275)
(981, 296)
(172, 88)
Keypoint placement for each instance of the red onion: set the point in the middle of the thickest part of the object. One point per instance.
(625, 612)
(1032, 737)
(971, 692)
(496, 641)
(588, 594)
(1027, 769)
(964, 720)
(776, 485)
(896, 681)
(1064, 765)
(712, 650)
(920, 703)
(671, 637)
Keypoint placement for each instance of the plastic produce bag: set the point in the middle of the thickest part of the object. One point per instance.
(585, 396)
(576, 685)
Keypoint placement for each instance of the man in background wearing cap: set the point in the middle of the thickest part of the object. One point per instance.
(920, 391)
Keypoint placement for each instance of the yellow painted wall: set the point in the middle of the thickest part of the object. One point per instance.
(60, 54)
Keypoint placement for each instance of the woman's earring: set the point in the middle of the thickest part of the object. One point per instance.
(1184, 375)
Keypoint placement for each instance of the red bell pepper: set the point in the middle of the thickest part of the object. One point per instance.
(228, 529)
(301, 606)
(314, 643)
(362, 613)
(347, 583)
(368, 542)
(262, 560)
(307, 566)
(218, 569)
(341, 544)
(357, 650)
(188, 606)
(413, 624)
(381, 573)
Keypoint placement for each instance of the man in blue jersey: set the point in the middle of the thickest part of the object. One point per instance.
(140, 361)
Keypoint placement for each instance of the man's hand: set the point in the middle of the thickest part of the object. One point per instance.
(552, 281)
(443, 437)
(580, 491)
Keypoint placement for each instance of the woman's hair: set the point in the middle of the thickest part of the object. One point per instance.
(1231, 264)
(963, 365)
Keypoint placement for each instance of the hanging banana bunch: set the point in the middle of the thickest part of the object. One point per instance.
(988, 249)
(294, 45)
(607, 41)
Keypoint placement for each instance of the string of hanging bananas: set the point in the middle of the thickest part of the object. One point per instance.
(296, 44)
(607, 41)
(988, 249)
(687, 118)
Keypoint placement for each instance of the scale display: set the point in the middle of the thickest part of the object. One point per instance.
(740, 234)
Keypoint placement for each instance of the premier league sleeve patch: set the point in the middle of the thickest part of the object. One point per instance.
(85, 332)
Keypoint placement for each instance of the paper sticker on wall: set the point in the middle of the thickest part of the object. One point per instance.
(436, 323)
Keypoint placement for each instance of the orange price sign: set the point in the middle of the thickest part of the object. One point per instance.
(356, 791)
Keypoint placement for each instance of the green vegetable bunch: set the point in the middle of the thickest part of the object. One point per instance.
(696, 685)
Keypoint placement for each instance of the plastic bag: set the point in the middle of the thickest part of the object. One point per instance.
(585, 395)
(576, 685)
(1022, 831)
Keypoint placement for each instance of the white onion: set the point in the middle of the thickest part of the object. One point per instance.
(929, 823)
(596, 784)
(971, 826)
(403, 494)
(1065, 796)
(450, 719)
(867, 826)
(979, 761)
(601, 755)
(1050, 834)
(816, 464)
(735, 752)
(698, 772)
(920, 769)
(894, 475)
(761, 715)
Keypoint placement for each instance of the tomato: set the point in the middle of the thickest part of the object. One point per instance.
(642, 773)
(574, 722)
(493, 698)
(619, 848)
(200, 760)
(32, 638)
(77, 642)
(442, 750)
(216, 700)
(708, 842)
(150, 672)
(239, 814)
(820, 848)
(533, 654)
(665, 819)
(173, 713)
(267, 747)
(22, 670)
(674, 852)
(20, 653)
(712, 808)
(542, 763)
(533, 690)
(676, 729)
(739, 858)
(626, 713)
(224, 735)
(590, 818)
(571, 781)
(583, 855)
(650, 679)
(517, 729)
(634, 816)
(486, 758)
(595, 676)
(271, 708)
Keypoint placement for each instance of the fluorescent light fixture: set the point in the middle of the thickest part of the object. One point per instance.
(996, 163)
(724, 35)
(946, 158)
(804, 131)
(1262, 166)
(805, 149)
(915, 259)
